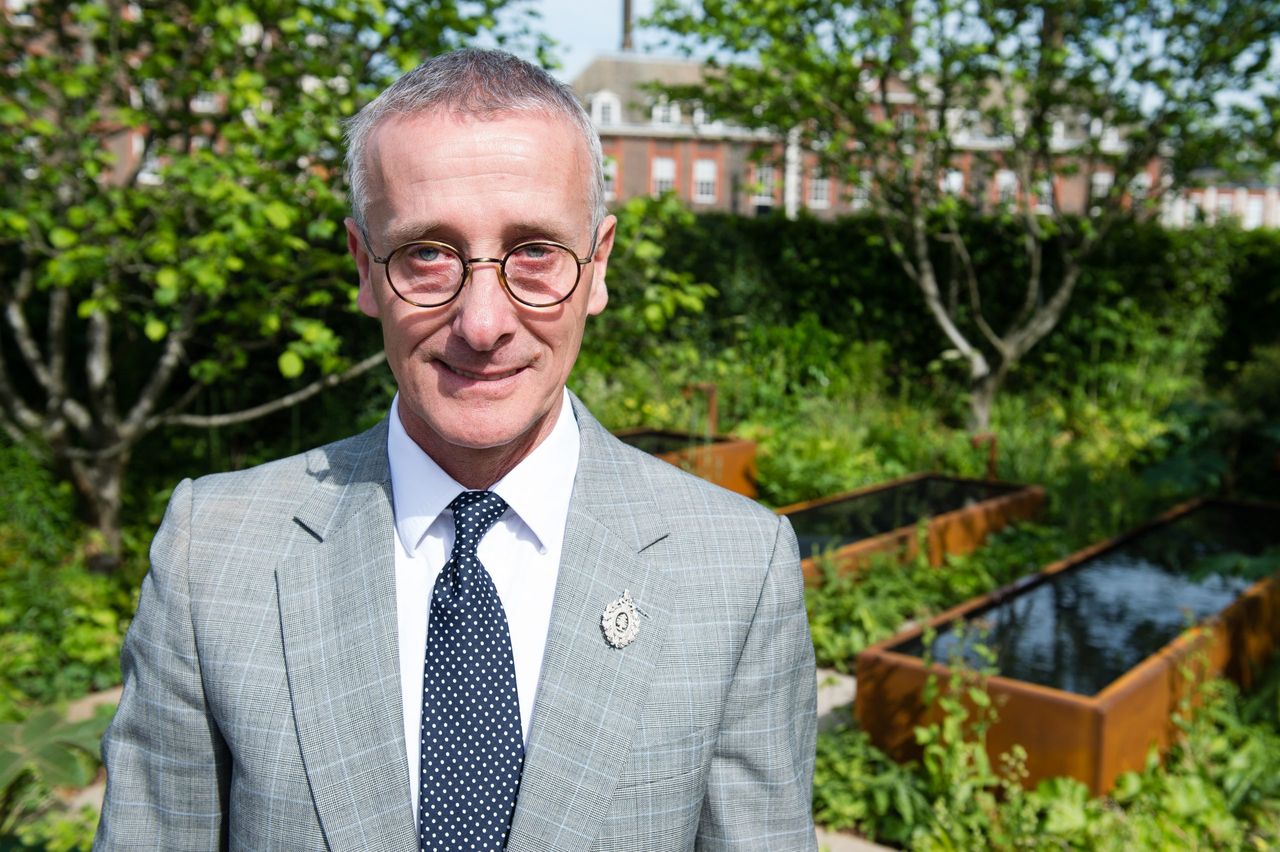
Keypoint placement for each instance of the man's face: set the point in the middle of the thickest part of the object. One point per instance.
(483, 375)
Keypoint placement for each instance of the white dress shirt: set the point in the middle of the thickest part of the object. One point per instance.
(521, 553)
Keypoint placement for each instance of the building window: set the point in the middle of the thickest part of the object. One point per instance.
(953, 182)
(1139, 187)
(762, 192)
(1253, 212)
(861, 192)
(662, 173)
(819, 192)
(666, 114)
(19, 15)
(1224, 206)
(610, 179)
(1101, 185)
(1006, 186)
(704, 181)
(1044, 197)
(204, 103)
(606, 109)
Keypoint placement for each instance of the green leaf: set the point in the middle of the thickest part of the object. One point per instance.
(63, 238)
(155, 330)
(279, 214)
(167, 278)
(290, 364)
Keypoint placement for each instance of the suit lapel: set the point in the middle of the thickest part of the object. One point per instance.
(590, 695)
(338, 618)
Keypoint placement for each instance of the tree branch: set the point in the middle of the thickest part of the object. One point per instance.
(280, 404)
(59, 302)
(26, 419)
(98, 369)
(975, 296)
(928, 283)
(28, 348)
(136, 421)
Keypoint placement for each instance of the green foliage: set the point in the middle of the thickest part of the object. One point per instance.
(882, 96)
(848, 612)
(1217, 788)
(856, 786)
(38, 754)
(642, 349)
(173, 206)
(60, 625)
(1228, 441)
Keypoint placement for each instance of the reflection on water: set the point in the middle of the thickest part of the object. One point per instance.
(1090, 624)
(845, 521)
(658, 442)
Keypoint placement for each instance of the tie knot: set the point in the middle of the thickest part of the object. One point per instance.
(474, 512)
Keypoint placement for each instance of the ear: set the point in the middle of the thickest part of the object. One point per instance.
(598, 297)
(365, 299)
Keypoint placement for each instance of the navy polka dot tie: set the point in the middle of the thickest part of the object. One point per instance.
(472, 744)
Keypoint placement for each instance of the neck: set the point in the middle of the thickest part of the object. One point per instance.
(478, 468)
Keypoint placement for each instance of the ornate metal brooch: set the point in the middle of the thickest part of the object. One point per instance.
(620, 622)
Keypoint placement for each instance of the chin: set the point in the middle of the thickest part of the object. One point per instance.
(487, 427)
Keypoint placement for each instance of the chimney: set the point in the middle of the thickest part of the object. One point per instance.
(626, 26)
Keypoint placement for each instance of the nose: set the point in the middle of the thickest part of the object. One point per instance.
(485, 317)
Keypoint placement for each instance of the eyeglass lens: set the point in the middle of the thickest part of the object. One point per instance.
(431, 273)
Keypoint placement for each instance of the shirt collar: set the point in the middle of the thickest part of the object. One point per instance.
(537, 489)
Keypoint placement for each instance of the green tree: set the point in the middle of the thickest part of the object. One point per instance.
(1125, 96)
(172, 206)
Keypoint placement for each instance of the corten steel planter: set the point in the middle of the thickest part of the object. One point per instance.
(1096, 652)
(728, 462)
(882, 518)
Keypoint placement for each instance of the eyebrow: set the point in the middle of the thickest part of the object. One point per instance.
(516, 232)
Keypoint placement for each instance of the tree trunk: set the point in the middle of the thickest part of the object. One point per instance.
(101, 481)
(982, 396)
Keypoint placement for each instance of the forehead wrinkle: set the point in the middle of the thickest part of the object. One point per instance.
(510, 165)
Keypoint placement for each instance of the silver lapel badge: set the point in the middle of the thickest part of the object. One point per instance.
(620, 622)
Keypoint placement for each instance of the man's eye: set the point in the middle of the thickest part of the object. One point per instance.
(535, 251)
(427, 254)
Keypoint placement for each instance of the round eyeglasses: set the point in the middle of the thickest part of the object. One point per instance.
(429, 274)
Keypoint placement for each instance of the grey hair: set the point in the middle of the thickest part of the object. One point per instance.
(474, 82)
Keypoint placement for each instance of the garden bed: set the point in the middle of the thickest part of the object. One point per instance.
(1093, 654)
(958, 515)
(728, 462)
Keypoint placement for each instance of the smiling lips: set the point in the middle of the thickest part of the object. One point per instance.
(479, 377)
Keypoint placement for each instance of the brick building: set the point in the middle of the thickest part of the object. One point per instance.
(652, 146)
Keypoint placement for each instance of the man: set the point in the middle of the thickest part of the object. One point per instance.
(485, 621)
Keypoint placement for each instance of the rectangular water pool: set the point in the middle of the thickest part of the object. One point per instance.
(728, 462)
(1091, 652)
(959, 514)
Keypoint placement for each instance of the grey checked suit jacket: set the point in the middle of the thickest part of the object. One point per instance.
(262, 693)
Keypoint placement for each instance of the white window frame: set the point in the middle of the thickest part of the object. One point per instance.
(606, 109)
(665, 113)
(662, 175)
(1101, 184)
(206, 103)
(1044, 196)
(763, 186)
(861, 196)
(1255, 210)
(819, 191)
(1140, 188)
(1006, 186)
(706, 181)
(953, 182)
(610, 179)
